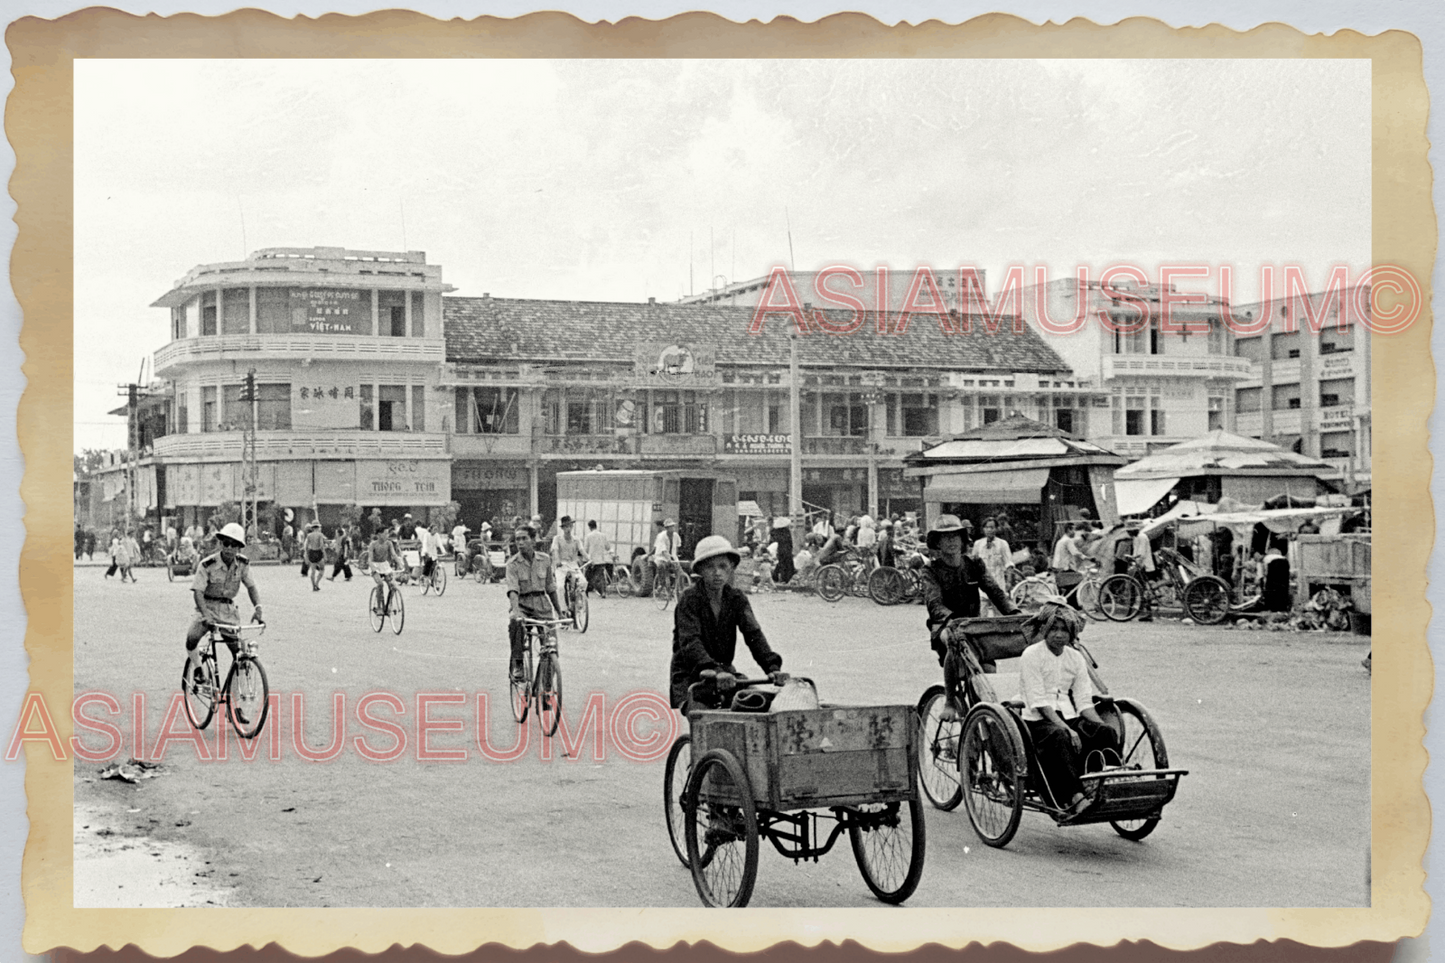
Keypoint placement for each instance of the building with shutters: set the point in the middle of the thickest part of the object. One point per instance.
(1306, 391)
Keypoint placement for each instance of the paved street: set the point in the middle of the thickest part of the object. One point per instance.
(1274, 728)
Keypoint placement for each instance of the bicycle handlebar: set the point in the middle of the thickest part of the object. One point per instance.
(546, 623)
(250, 626)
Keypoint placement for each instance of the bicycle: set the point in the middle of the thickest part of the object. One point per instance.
(389, 606)
(244, 691)
(544, 690)
(1031, 592)
(574, 593)
(664, 585)
(847, 576)
(437, 581)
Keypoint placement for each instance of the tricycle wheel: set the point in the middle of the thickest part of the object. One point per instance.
(1143, 748)
(938, 752)
(679, 765)
(993, 769)
(1121, 597)
(889, 848)
(721, 826)
(1206, 600)
(831, 582)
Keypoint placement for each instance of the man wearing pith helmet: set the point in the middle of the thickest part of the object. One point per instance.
(706, 623)
(951, 583)
(218, 578)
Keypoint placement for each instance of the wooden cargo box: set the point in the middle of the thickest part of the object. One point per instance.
(816, 758)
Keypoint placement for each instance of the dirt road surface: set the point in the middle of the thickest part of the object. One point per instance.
(1274, 728)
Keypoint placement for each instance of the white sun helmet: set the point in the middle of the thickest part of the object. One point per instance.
(235, 533)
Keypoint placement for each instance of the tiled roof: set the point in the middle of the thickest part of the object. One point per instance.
(503, 329)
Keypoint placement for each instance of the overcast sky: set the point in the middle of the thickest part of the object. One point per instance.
(594, 179)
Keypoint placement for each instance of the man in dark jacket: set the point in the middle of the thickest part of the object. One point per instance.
(706, 623)
(951, 583)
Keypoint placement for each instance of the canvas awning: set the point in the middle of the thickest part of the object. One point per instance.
(988, 487)
(1135, 495)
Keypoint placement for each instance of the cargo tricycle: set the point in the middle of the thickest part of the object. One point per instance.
(986, 759)
(799, 778)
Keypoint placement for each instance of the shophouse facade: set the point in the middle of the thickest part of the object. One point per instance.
(548, 386)
(1308, 391)
(1158, 388)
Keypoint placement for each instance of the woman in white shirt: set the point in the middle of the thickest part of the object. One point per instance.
(995, 554)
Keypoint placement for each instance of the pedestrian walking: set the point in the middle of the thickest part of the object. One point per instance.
(127, 557)
(114, 552)
(341, 546)
(315, 548)
(784, 570)
(90, 546)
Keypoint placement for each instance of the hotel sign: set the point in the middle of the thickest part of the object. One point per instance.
(330, 311)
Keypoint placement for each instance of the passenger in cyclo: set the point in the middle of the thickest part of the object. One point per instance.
(531, 592)
(705, 628)
(218, 579)
(1069, 736)
(951, 586)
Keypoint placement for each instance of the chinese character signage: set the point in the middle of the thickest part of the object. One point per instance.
(675, 364)
(757, 444)
(330, 311)
(322, 403)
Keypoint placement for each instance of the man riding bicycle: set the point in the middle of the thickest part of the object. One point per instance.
(666, 552)
(951, 584)
(531, 588)
(218, 579)
(568, 555)
(383, 558)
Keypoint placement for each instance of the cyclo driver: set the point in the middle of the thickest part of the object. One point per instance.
(706, 622)
(951, 583)
(218, 578)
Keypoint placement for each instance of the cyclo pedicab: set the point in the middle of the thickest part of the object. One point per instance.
(774, 763)
(987, 759)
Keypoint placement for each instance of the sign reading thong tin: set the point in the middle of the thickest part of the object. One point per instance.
(675, 364)
(330, 311)
(757, 444)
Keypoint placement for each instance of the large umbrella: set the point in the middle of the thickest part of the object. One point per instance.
(1140, 485)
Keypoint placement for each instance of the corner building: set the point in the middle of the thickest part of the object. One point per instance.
(347, 349)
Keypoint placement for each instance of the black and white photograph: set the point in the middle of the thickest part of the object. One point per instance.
(938, 483)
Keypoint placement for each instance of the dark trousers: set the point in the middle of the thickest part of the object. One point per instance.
(1058, 762)
(517, 633)
(340, 567)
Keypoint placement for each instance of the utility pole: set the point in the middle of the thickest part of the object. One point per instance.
(795, 417)
(248, 458)
(132, 393)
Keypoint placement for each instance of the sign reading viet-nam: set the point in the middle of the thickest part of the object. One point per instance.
(757, 444)
(330, 311)
(679, 364)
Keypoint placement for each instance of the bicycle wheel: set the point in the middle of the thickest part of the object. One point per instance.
(1028, 596)
(674, 781)
(857, 583)
(1206, 600)
(1143, 748)
(247, 697)
(200, 692)
(938, 752)
(720, 824)
(579, 606)
(1087, 595)
(993, 769)
(889, 848)
(622, 584)
(479, 570)
(378, 609)
(880, 586)
(662, 587)
(522, 687)
(439, 580)
(1121, 597)
(831, 583)
(396, 610)
(548, 693)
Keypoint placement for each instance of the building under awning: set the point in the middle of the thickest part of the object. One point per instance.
(1137, 495)
(988, 487)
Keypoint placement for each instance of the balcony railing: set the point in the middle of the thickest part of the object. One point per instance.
(607, 444)
(480, 445)
(226, 446)
(334, 347)
(1211, 366)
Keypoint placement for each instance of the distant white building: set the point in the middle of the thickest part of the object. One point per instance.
(1158, 388)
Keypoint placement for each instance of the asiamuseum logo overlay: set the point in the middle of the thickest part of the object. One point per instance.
(378, 726)
(841, 300)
